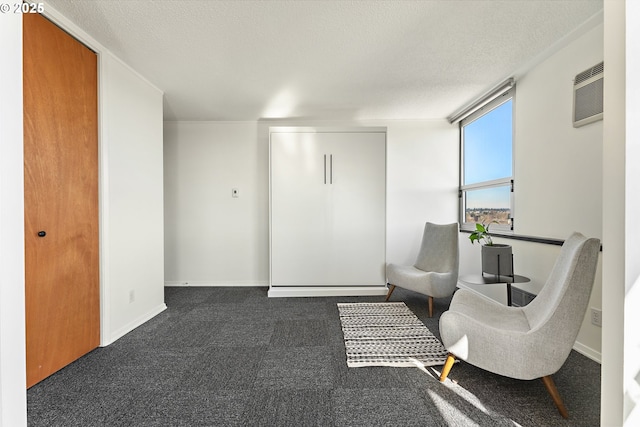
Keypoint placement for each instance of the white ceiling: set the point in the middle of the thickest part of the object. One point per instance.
(250, 60)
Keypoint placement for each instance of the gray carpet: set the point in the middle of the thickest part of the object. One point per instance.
(232, 356)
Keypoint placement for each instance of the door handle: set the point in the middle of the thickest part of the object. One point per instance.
(42, 233)
(325, 168)
(331, 169)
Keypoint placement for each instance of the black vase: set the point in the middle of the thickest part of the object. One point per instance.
(497, 259)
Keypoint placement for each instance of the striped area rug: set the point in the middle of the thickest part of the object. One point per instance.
(387, 334)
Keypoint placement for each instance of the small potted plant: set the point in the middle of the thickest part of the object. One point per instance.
(496, 258)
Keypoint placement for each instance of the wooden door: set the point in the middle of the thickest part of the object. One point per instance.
(61, 198)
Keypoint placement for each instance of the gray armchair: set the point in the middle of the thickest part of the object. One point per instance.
(435, 272)
(525, 342)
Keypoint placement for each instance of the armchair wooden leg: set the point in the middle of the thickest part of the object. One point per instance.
(553, 391)
(430, 306)
(391, 288)
(447, 367)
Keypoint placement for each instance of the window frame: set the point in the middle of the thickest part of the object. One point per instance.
(482, 110)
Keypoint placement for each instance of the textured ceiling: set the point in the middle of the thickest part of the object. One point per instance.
(249, 60)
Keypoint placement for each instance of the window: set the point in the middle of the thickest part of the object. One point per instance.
(486, 182)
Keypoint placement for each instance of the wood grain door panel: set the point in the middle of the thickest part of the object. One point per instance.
(61, 198)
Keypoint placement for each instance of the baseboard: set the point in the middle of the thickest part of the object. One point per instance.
(134, 324)
(325, 291)
(251, 284)
(588, 352)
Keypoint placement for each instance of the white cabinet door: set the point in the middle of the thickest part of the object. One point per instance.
(357, 198)
(298, 211)
(328, 208)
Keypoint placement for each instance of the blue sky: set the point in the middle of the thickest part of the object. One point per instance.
(488, 154)
(488, 147)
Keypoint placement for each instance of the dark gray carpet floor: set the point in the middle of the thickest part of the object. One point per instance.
(232, 356)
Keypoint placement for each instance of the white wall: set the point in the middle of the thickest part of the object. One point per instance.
(210, 237)
(13, 397)
(132, 226)
(214, 239)
(614, 257)
(631, 375)
(422, 183)
(558, 174)
(632, 137)
(558, 167)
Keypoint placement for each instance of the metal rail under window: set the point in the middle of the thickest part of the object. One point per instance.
(544, 240)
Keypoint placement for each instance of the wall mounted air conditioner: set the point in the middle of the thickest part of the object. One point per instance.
(587, 96)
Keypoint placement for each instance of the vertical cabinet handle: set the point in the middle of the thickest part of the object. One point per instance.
(331, 169)
(325, 168)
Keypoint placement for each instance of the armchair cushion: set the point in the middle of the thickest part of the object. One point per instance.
(437, 285)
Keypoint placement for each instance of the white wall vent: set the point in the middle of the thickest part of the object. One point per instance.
(587, 96)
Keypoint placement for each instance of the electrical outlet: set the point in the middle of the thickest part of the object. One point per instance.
(132, 296)
(235, 193)
(596, 317)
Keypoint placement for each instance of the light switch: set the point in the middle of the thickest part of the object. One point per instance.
(235, 193)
